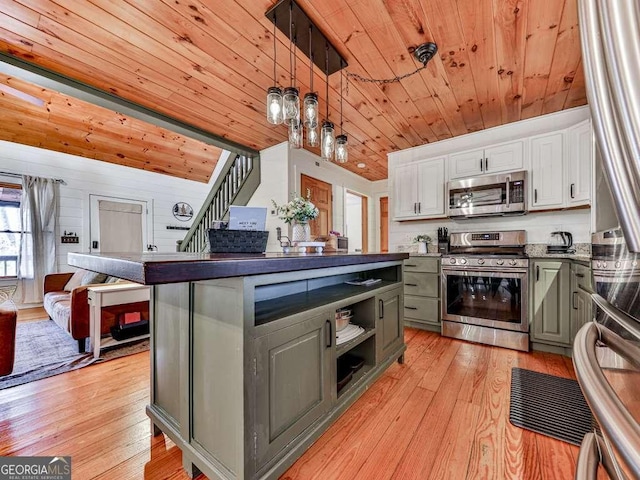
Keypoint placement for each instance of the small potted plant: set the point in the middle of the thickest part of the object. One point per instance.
(297, 213)
(422, 240)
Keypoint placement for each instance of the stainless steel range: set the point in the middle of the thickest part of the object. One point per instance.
(485, 289)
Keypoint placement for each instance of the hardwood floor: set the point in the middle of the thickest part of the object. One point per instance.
(31, 314)
(441, 415)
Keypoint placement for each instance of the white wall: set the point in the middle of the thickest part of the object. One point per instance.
(274, 185)
(85, 177)
(353, 221)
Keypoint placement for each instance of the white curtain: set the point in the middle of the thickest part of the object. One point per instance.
(37, 253)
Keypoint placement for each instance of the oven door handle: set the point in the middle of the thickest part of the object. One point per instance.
(594, 452)
(617, 423)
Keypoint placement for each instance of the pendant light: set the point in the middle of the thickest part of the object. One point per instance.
(295, 125)
(310, 104)
(327, 138)
(291, 99)
(342, 155)
(274, 94)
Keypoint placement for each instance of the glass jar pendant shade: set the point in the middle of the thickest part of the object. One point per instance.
(274, 106)
(291, 103)
(327, 141)
(310, 109)
(295, 134)
(313, 138)
(342, 154)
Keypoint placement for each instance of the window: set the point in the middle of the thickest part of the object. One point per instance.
(10, 228)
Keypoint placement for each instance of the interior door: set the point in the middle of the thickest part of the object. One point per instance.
(119, 224)
(322, 197)
(384, 224)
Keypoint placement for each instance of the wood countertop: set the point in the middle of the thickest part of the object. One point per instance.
(157, 268)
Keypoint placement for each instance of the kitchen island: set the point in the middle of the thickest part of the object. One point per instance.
(244, 356)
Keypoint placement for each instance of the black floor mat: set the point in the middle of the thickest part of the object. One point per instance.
(549, 405)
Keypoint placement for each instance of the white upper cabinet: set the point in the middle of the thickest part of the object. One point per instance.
(504, 157)
(418, 190)
(546, 179)
(580, 164)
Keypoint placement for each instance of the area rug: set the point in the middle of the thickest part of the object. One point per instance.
(549, 405)
(43, 349)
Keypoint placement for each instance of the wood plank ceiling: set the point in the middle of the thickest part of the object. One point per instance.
(209, 62)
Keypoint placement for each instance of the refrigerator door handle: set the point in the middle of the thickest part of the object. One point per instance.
(617, 423)
(594, 452)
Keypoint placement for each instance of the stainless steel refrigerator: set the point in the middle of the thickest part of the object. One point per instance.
(607, 350)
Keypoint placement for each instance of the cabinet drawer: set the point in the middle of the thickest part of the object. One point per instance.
(422, 264)
(421, 308)
(420, 283)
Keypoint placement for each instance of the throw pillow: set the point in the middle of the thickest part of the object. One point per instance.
(75, 280)
(6, 293)
(91, 278)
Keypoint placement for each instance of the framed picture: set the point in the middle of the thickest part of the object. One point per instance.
(182, 211)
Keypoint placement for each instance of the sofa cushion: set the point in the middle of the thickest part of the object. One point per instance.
(58, 307)
(75, 280)
(91, 278)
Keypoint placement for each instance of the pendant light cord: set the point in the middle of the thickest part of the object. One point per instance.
(275, 82)
(290, 43)
(341, 75)
(326, 72)
(310, 58)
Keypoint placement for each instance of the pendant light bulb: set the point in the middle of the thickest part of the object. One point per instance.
(342, 153)
(327, 141)
(291, 103)
(274, 106)
(295, 134)
(310, 109)
(313, 138)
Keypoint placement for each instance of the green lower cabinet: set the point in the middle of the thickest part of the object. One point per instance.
(551, 305)
(581, 304)
(389, 324)
(293, 387)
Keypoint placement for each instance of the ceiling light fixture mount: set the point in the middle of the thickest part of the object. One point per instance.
(425, 52)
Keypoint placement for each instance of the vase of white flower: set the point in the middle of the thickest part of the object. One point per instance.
(297, 213)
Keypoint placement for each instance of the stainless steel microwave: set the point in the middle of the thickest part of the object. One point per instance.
(503, 194)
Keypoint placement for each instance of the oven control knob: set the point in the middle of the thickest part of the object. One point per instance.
(512, 262)
(500, 262)
(634, 264)
(618, 264)
(599, 264)
(604, 264)
(452, 260)
(481, 261)
(463, 261)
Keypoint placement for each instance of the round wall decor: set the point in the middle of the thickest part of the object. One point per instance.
(182, 211)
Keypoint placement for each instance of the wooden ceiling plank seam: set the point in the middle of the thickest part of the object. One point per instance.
(566, 59)
(26, 87)
(262, 92)
(408, 19)
(510, 46)
(402, 112)
(478, 30)
(542, 31)
(21, 13)
(455, 59)
(374, 18)
(348, 128)
(577, 95)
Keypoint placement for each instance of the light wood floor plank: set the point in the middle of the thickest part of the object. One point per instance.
(457, 427)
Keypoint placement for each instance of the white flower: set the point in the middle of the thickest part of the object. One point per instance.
(299, 209)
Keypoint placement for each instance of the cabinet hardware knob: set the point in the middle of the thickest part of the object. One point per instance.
(535, 195)
(481, 168)
(537, 272)
(411, 284)
(573, 301)
(410, 265)
(580, 275)
(419, 207)
(410, 308)
(486, 164)
(329, 331)
(572, 190)
(380, 308)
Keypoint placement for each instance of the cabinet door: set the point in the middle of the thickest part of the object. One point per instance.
(293, 382)
(551, 302)
(405, 191)
(466, 164)
(547, 184)
(431, 187)
(580, 164)
(504, 158)
(581, 311)
(389, 327)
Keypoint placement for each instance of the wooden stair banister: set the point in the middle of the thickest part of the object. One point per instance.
(235, 185)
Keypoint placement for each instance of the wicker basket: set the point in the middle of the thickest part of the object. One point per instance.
(237, 241)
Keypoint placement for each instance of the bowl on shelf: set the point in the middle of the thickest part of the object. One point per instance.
(342, 322)
(343, 312)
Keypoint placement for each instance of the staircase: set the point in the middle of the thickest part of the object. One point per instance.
(235, 185)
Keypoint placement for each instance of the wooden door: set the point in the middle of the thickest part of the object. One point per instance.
(384, 224)
(322, 197)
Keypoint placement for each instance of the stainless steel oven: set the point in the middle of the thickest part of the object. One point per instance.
(485, 283)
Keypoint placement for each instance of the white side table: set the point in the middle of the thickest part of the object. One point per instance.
(107, 295)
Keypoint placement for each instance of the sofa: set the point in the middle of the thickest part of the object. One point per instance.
(8, 315)
(67, 304)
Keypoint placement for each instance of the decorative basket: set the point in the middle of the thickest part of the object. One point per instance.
(237, 241)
